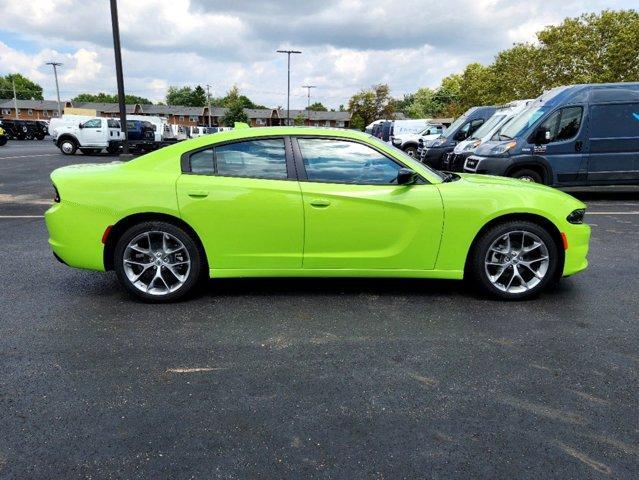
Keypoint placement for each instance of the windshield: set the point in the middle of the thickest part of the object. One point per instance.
(408, 160)
(487, 127)
(521, 122)
(454, 126)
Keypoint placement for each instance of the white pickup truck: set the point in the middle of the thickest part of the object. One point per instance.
(410, 141)
(90, 137)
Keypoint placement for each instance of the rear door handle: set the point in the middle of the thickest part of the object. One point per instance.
(320, 202)
(198, 193)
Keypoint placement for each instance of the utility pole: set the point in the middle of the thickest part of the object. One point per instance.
(118, 72)
(288, 85)
(55, 66)
(208, 98)
(15, 99)
(308, 101)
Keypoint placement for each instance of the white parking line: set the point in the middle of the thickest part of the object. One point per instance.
(21, 216)
(612, 213)
(29, 156)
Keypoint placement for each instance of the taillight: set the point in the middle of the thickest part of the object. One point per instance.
(56, 195)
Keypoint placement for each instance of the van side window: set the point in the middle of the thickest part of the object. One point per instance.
(474, 125)
(563, 124)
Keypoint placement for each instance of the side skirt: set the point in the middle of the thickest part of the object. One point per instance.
(379, 273)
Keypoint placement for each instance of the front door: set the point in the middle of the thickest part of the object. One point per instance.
(567, 145)
(357, 217)
(244, 204)
(93, 132)
(614, 143)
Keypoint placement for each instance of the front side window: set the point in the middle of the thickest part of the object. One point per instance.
(563, 124)
(94, 123)
(339, 161)
(253, 158)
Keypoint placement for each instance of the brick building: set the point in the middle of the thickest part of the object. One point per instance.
(29, 109)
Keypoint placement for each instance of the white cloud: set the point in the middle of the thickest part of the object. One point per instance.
(346, 44)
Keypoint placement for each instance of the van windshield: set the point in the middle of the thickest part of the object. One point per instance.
(521, 122)
(487, 127)
(454, 126)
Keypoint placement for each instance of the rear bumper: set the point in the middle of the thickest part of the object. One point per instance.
(75, 236)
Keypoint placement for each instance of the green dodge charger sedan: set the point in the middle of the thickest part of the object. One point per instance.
(294, 201)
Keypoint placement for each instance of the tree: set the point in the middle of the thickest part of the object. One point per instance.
(234, 95)
(369, 105)
(299, 119)
(317, 107)
(25, 89)
(108, 98)
(235, 108)
(186, 96)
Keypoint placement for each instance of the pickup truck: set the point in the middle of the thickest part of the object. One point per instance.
(90, 137)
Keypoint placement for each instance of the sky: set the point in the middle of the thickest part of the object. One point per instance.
(346, 45)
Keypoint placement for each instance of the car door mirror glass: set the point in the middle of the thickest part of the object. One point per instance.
(406, 176)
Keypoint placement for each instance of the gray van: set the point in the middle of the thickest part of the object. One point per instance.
(572, 135)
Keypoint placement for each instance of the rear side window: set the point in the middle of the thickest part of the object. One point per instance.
(614, 121)
(252, 158)
(339, 161)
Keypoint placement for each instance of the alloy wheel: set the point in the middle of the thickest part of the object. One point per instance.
(517, 261)
(156, 263)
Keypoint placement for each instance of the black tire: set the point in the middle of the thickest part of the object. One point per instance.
(479, 257)
(40, 136)
(527, 175)
(111, 149)
(3, 141)
(411, 151)
(90, 151)
(68, 146)
(196, 258)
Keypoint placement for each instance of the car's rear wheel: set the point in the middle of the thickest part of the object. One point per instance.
(68, 146)
(514, 260)
(158, 261)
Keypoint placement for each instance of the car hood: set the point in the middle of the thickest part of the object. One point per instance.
(490, 181)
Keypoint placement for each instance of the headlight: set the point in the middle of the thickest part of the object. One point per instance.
(472, 145)
(576, 216)
(503, 148)
(436, 143)
(397, 141)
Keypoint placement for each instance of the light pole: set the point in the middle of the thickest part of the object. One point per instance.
(308, 101)
(208, 99)
(118, 72)
(55, 66)
(288, 85)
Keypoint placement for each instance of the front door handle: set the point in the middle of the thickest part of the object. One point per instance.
(198, 193)
(578, 146)
(320, 202)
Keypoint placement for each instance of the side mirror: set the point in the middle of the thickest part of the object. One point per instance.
(405, 176)
(80, 125)
(461, 135)
(542, 136)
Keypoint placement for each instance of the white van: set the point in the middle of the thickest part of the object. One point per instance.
(403, 127)
(454, 161)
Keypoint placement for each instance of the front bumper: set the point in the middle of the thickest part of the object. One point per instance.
(454, 162)
(432, 156)
(576, 256)
(487, 165)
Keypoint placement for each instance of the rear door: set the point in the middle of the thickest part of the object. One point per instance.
(614, 143)
(244, 201)
(357, 217)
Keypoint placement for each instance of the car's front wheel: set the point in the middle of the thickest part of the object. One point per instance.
(411, 151)
(514, 260)
(158, 261)
(68, 146)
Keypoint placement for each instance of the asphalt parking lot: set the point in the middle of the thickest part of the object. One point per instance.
(312, 378)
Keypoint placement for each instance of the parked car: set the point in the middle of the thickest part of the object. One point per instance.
(156, 122)
(3, 137)
(22, 129)
(308, 202)
(432, 153)
(91, 136)
(140, 130)
(572, 135)
(385, 131)
(370, 126)
(454, 161)
(409, 142)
